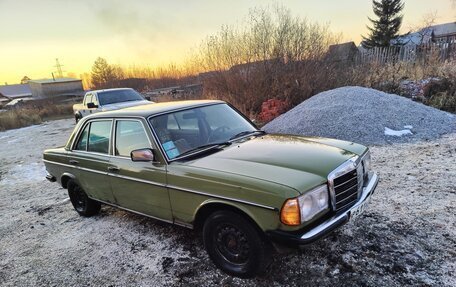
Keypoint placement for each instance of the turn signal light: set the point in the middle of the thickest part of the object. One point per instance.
(290, 213)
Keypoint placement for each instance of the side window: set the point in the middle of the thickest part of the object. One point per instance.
(99, 135)
(95, 99)
(88, 99)
(130, 135)
(82, 143)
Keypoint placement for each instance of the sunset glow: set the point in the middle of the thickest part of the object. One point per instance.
(152, 33)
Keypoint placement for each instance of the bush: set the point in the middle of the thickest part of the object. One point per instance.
(435, 80)
(276, 55)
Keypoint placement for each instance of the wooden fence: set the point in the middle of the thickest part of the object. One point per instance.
(409, 53)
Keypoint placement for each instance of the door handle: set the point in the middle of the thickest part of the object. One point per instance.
(75, 162)
(113, 168)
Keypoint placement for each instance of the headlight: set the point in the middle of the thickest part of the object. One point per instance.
(367, 162)
(298, 210)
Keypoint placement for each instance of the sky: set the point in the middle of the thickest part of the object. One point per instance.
(33, 33)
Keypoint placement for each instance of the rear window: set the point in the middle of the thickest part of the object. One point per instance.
(118, 96)
(95, 137)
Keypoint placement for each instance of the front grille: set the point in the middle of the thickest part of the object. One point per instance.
(346, 189)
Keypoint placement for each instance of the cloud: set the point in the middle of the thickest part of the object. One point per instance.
(136, 23)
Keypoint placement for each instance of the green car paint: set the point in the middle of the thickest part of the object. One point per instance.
(254, 175)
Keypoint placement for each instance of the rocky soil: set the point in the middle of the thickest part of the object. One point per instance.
(406, 238)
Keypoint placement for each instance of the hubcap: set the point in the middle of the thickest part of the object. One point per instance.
(232, 244)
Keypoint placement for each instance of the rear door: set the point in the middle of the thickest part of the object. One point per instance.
(90, 156)
(138, 186)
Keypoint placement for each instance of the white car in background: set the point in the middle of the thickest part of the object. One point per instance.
(108, 100)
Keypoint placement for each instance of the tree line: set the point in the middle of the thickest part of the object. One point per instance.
(272, 54)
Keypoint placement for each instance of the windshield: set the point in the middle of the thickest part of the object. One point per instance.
(118, 96)
(183, 131)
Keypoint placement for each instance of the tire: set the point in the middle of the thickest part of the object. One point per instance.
(81, 202)
(235, 245)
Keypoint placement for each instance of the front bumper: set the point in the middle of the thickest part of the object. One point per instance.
(326, 227)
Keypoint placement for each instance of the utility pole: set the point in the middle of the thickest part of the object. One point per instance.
(59, 68)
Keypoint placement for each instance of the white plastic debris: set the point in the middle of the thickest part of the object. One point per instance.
(390, 132)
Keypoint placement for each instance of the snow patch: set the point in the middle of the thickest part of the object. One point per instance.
(390, 132)
(24, 173)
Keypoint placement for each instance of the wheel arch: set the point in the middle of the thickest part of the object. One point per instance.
(65, 178)
(210, 206)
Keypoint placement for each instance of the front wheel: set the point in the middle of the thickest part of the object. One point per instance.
(81, 202)
(235, 245)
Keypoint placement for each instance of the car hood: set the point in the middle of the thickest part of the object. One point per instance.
(298, 162)
(122, 105)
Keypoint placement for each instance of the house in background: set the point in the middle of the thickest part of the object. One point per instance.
(441, 33)
(344, 53)
(60, 87)
(3, 100)
(14, 92)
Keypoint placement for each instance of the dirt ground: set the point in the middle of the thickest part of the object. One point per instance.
(407, 237)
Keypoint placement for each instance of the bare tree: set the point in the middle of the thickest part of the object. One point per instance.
(273, 55)
(424, 27)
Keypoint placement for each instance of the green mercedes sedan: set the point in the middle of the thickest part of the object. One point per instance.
(205, 166)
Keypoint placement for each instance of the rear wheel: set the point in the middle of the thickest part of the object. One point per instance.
(81, 202)
(235, 245)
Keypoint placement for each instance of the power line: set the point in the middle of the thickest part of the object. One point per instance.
(59, 68)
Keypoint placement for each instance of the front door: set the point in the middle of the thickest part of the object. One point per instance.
(138, 186)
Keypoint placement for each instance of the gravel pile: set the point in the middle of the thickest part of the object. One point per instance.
(365, 116)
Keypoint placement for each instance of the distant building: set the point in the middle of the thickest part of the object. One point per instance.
(14, 92)
(342, 53)
(48, 88)
(185, 91)
(256, 66)
(3, 100)
(441, 33)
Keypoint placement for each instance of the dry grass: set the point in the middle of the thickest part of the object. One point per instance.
(387, 78)
(33, 114)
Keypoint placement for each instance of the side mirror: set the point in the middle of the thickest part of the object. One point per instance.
(147, 98)
(145, 154)
(92, 106)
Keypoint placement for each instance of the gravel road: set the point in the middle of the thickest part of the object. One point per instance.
(406, 238)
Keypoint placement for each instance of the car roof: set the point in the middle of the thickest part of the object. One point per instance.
(107, 90)
(154, 109)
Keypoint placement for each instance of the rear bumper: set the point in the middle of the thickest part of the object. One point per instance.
(51, 178)
(327, 226)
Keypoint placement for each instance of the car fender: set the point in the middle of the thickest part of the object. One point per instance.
(264, 219)
(65, 177)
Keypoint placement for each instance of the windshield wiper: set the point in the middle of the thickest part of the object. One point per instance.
(244, 133)
(202, 148)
